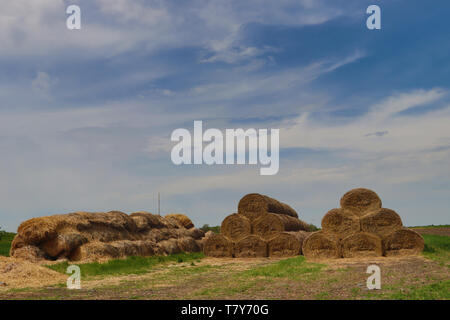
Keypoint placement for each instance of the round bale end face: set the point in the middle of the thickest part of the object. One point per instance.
(403, 242)
(284, 245)
(319, 245)
(253, 202)
(360, 201)
(267, 226)
(251, 246)
(337, 222)
(218, 246)
(381, 222)
(236, 226)
(361, 245)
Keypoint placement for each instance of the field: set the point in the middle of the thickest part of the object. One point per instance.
(193, 276)
(5, 243)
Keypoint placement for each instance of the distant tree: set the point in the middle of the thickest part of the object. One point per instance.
(207, 227)
(2, 233)
(312, 227)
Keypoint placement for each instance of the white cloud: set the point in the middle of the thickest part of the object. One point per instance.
(35, 28)
(405, 133)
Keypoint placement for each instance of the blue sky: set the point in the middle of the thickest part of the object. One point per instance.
(86, 115)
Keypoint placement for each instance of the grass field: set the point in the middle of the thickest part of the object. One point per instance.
(193, 276)
(130, 265)
(5, 243)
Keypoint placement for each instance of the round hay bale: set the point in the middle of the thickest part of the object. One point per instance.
(146, 247)
(94, 251)
(171, 223)
(37, 230)
(102, 226)
(251, 246)
(319, 245)
(170, 246)
(270, 224)
(252, 216)
(188, 244)
(361, 244)
(255, 204)
(194, 233)
(218, 245)
(182, 219)
(17, 243)
(286, 244)
(116, 220)
(63, 244)
(381, 222)
(403, 242)
(141, 223)
(152, 220)
(340, 224)
(236, 226)
(360, 201)
(127, 248)
(30, 253)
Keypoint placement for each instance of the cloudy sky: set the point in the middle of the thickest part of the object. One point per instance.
(86, 115)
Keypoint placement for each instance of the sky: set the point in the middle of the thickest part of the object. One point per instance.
(86, 115)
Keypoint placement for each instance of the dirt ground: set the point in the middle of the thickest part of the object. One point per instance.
(214, 278)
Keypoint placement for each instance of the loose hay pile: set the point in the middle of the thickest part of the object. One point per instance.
(262, 227)
(18, 273)
(93, 236)
(361, 228)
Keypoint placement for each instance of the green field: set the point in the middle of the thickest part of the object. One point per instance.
(437, 248)
(5, 243)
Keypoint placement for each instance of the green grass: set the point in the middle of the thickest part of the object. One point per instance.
(292, 268)
(437, 248)
(129, 265)
(435, 291)
(5, 243)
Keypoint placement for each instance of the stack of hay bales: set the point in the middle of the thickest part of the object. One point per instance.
(362, 228)
(262, 227)
(104, 235)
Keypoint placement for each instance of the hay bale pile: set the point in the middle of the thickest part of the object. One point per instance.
(104, 235)
(362, 228)
(262, 227)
